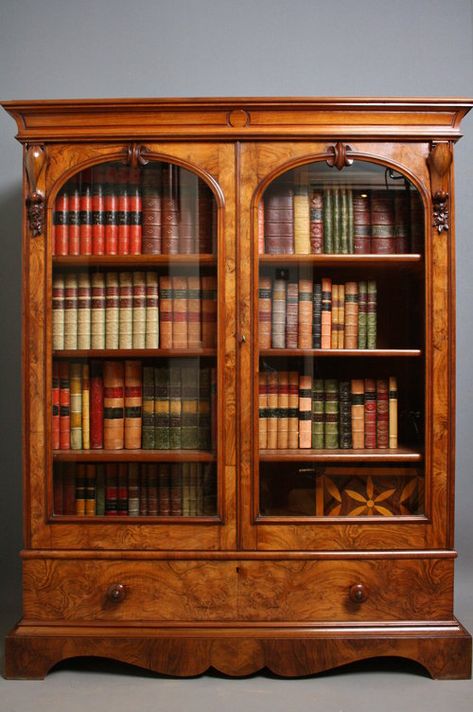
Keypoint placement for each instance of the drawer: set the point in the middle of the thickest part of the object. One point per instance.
(322, 591)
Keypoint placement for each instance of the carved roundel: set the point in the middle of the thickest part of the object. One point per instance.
(238, 118)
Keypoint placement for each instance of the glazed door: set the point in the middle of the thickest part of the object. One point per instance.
(131, 351)
(344, 349)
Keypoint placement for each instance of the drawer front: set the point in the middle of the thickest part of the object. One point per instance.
(325, 591)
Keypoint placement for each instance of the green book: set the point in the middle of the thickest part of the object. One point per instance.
(161, 407)
(190, 400)
(148, 417)
(337, 221)
(344, 221)
(204, 409)
(327, 218)
(175, 408)
(350, 220)
(371, 316)
(362, 314)
(331, 414)
(318, 413)
(344, 392)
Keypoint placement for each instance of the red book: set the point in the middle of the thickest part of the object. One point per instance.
(370, 413)
(61, 228)
(134, 214)
(74, 220)
(111, 489)
(382, 413)
(55, 435)
(96, 406)
(111, 214)
(64, 406)
(69, 488)
(85, 214)
(122, 215)
(98, 213)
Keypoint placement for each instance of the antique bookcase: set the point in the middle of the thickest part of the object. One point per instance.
(239, 384)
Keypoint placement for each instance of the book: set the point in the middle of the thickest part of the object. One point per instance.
(85, 227)
(382, 223)
(151, 211)
(85, 383)
(345, 427)
(75, 374)
(100, 490)
(336, 220)
(175, 407)
(125, 338)
(169, 209)
(316, 223)
(55, 425)
(292, 315)
(361, 222)
(111, 213)
(317, 316)
(382, 413)
(326, 314)
(165, 312)
(80, 489)
(70, 311)
(175, 491)
(162, 415)
(133, 489)
(350, 222)
(194, 322)
(283, 408)
(84, 302)
(152, 310)
(331, 412)
(96, 406)
(122, 489)
(190, 406)
(328, 226)
(279, 220)
(90, 492)
(186, 219)
(112, 311)
(264, 312)
(401, 221)
(371, 315)
(305, 411)
(351, 315)
(318, 414)
(293, 410)
(133, 405)
(272, 410)
(358, 413)
(123, 206)
(335, 316)
(143, 492)
(278, 332)
(164, 481)
(111, 489)
(204, 376)
(139, 310)
(370, 413)
(60, 221)
(135, 209)
(148, 409)
(179, 312)
(393, 425)
(97, 311)
(152, 487)
(263, 409)
(74, 219)
(113, 405)
(98, 212)
(58, 296)
(362, 314)
(341, 316)
(305, 313)
(301, 210)
(209, 311)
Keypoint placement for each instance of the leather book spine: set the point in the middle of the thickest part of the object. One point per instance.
(293, 410)
(305, 412)
(304, 340)
(64, 406)
(371, 317)
(84, 303)
(74, 215)
(162, 421)
(190, 402)
(279, 220)
(175, 490)
(362, 314)
(152, 310)
(370, 413)
(61, 227)
(278, 330)
(133, 404)
(96, 406)
(326, 314)
(292, 315)
(55, 426)
(316, 223)
(125, 336)
(361, 223)
(112, 310)
(151, 212)
(85, 380)
(344, 221)
(151, 470)
(70, 311)
(165, 312)
(382, 223)
(143, 491)
(283, 408)
(317, 316)
(179, 312)
(186, 215)
(401, 221)
(358, 413)
(111, 489)
(393, 426)
(382, 413)
(272, 410)
(80, 489)
(133, 489)
(58, 489)
(204, 431)
(263, 410)
(344, 396)
(194, 320)
(164, 482)
(335, 316)
(260, 227)
(123, 207)
(98, 212)
(351, 315)
(337, 220)
(69, 488)
(264, 312)
(113, 405)
(134, 217)
(85, 220)
(111, 213)
(97, 311)
(76, 405)
(122, 489)
(301, 221)
(331, 434)
(148, 424)
(328, 221)
(90, 490)
(318, 414)
(100, 490)
(205, 219)
(209, 311)
(341, 316)
(170, 210)
(350, 221)
(416, 222)
(58, 297)
(139, 310)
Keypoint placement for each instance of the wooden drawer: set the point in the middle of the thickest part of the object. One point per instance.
(251, 590)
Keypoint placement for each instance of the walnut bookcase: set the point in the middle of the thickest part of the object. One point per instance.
(300, 559)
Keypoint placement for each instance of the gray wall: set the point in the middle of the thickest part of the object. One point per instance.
(118, 48)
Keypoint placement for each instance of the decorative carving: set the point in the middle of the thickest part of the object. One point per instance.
(35, 163)
(339, 157)
(440, 158)
(440, 211)
(238, 118)
(135, 155)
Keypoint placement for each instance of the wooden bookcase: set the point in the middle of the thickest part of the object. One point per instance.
(245, 554)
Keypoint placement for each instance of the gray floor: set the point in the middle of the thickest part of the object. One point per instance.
(89, 685)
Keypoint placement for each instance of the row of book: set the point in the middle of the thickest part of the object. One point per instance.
(132, 489)
(133, 310)
(114, 210)
(340, 220)
(322, 315)
(118, 405)
(297, 411)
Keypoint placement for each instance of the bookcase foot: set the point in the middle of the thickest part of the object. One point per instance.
(32, 650)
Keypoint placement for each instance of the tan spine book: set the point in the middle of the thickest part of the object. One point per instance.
(112, 310)
(304, 340)
(351, 315)
(114, 403)
(58, 312)
(84, 299)
(293, 412)
(70, 311)
(133, 404)
(326, 314)
(335, 316)
(165, 312)
(194, 321)
(97, 315)
(341, 316)
(85, 406)
(393, 412)
(179, 312)
(305, 412)
(264, 312)
(272, 410)
(358, 413)
(283, 407)
(139, 310)
(152, 311)
(301, 220)
(76, 406)
(126, 311)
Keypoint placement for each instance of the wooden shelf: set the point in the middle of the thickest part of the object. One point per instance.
(133, 456)
(343, 352)
(401, 454)
(138, 353)
(131, 260)
(126, 519)
(346, 260)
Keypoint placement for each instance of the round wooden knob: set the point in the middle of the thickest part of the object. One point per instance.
(358, 593)
(116, 592)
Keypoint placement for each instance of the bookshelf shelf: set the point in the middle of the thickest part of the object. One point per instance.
(359, 353)
(133, 456)
(134, 353)
(380, 261)
(403, 454)
(132, 261)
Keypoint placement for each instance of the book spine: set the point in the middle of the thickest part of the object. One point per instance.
(58, 297)
(185, 469)
(301, 221)
(85, 406)
(204, 377)
(98, 212)
(261, 227)
(318, 414)
(186, 214)
(148, 423)
(401, 221)
(305, 411)
(316, 223)
(209, 311)
(194, 321)
(164, 482)
(272, 410)
(76, 406)
(264, 312)
(193, 487)
(61, 227)
(69, 488)
(96, 406)
(123, 205)
(350, 222)
(382, 413)
(304, 340)
(80, 490)
(361, 223)
(55, 427)
(90, 490)
(133, 489)
(341, 316)
(292, 315)
(175, 491)
(100, 491)
(113, 405)
(382, 223)
(153, 492)
(351, 315)
(328, 227)
(371, 315)
(370, 413)
(317, 316)
(393, 412)
(344, 221)
(326, 314)
(58, 489)
(205, 208)
(125, 336)
(337, 221)
(97, 311)
(152, 311)
(344, 396)
(151, 215)
(86, 214)
(179, 312)
(358, 413)
(362, 315)
(190, 402)
(331, 414)
(162, 421)
(279, 220)
(293, 412)
(64, 406)
(170, 210)
(74, 214)
(84, 302)
(263, 409)
(335, 316)
(133, 405)
(111, 214)
(70, 311)
(143, 491)
(135, 215)
(278, 335)
(139, 310)
(122, 489)
(283, 408)
(111, 489)
(165, 312)
(112, 310)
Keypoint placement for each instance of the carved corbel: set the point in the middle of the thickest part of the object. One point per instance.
(35, 166)
(339, 157)
(439, 161)
(135, 155)
(440, 211)
(440, 158)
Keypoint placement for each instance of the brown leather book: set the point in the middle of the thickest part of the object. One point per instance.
(279, 220)
(293, 413)
(326, 314)
(382, 223)
(351, 315)
(133, 404)
(305, 411)
(165, 312)
(283, 408)
(209, 311)
(114, 402)
(194, 320)
(370, 413)
(292, 315)
(151, 211)
(179, 312)
(358, 413)
(304, 340)
(170, 210)
(382, 413)
(264, 312)
(272, 410)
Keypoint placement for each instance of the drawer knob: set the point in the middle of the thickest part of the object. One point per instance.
(116, 592)
(358, 593)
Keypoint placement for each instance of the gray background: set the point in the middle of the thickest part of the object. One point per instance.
(119, 48)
